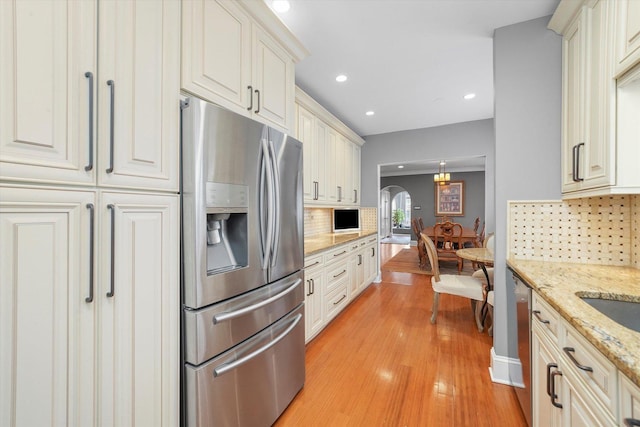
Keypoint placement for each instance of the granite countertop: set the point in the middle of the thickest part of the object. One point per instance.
(320, 242)
(562, 284)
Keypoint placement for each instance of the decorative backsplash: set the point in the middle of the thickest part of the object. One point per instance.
(318, 220)
(368, 218)
(600, 230)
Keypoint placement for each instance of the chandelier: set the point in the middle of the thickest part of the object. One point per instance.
(442, 177)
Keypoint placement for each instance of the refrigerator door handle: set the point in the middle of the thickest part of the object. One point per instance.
(276, 204)
(226, 367)
(266, 215)
(236, 313)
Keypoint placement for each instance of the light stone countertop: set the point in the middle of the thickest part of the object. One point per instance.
(562, 284)
(320, 242)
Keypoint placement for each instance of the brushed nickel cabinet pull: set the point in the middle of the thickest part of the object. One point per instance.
(112, 95)
(553, 389)
(258, 93)
(569, 352)
(89, 75)
(91, 254)
(250, 107)
(536, 313)
(339, 274)
(112, 208)
(578, 162)
(340, 300)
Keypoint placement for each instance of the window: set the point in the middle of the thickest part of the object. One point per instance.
(401, 210)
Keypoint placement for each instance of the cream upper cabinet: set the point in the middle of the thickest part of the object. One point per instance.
(138, 87)
(331, 155)
(47, 93)
(52, 128)
(627, 34)
(355, 173)
(588, 101)
(239, 55)
(596, 146)
(47, 308)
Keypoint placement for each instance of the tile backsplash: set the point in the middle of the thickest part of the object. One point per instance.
(600, 230)
(318, 220)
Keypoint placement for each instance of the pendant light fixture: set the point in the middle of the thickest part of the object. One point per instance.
(442, 177)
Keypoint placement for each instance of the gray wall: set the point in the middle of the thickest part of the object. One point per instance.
(443, 142)
(421, 189)
(527, 84)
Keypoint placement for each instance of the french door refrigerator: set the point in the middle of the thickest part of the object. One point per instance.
(242, 258)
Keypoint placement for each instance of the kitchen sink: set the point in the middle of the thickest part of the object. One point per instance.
(625, 313)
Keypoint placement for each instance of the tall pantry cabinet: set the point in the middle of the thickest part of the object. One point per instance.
(89, 212)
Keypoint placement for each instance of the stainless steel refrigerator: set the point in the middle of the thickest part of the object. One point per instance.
(242, 259)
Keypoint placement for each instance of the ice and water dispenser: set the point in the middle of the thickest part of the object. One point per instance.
(226, 227)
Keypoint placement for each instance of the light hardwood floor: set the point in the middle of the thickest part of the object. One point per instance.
(382, 363)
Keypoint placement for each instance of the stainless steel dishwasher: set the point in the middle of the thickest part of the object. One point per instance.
(523, 313)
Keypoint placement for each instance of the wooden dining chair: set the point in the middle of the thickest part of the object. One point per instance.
(448, 238)
(453, 284)
(476, 225)
(422, 253)
(487, 286)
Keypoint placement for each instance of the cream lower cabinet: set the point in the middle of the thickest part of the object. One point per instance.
(333, 278)
(573, 384)
(52, 127)
(79, 348)
(629, 402)
(314, 295)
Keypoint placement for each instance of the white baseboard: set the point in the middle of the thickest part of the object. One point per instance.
(505, 370)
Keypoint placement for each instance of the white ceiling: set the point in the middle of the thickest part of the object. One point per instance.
(463, 164)
(410, 61)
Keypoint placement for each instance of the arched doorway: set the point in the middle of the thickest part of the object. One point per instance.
(395, 215)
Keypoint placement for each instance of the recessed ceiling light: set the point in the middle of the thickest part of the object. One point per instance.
(341, 78)
(281, 6)
(370, 113)
(470, 96)
(400, 166)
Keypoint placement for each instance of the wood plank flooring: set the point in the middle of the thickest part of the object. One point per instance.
(382, 363)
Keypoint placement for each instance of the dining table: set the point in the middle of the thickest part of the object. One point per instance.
(468, 235)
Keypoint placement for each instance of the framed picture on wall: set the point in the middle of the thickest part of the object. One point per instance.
(449, 198)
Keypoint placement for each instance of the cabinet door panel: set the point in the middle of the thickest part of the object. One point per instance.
(273, 77)
(213, 67)
(544, 413)
(140, 54)
(139, 336)
(628, 37)
(44, 94)
(46, 326)
(305, 133)
(600, 85)
(572, 48)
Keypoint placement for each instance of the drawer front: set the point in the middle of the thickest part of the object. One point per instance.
(337, 254)
(239, 386)
(336, 301)
(313, 261)
(336, 275)
(592, 367)
(545, 317)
